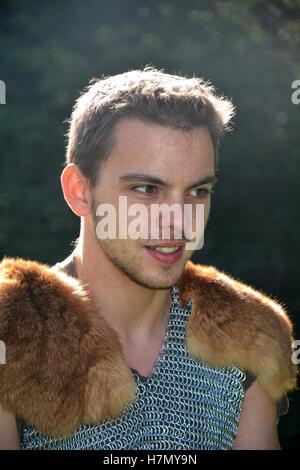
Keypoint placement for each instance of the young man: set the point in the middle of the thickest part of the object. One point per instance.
(127, 344)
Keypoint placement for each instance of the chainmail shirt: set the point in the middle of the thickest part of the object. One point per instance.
(183, 404)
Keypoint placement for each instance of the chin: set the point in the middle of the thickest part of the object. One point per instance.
(163, 280)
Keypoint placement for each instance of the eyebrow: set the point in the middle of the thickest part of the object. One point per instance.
(212, 179)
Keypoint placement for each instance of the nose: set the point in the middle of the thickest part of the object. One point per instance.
(171, 219)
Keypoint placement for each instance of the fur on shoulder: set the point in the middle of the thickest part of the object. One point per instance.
(65, 365)
(233, 324)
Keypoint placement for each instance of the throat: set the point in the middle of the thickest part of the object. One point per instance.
(144, 356)
(143, 360)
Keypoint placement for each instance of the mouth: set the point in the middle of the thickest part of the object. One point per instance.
(167, 253)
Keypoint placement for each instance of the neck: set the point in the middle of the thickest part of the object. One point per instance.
(138, 314)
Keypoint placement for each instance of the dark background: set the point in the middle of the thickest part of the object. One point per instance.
(249, 49)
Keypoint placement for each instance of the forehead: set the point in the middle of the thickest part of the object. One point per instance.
(161, 151)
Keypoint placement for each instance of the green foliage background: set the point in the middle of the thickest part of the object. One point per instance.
(249, 49)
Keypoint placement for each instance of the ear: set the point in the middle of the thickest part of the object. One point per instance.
(76, 190)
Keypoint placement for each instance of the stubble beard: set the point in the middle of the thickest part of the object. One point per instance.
(132, 268)
(129, 266)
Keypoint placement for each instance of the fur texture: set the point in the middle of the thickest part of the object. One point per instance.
(65, 365)
(231, 323)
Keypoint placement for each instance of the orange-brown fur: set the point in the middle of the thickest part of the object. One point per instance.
(231, 323)
(65, 365)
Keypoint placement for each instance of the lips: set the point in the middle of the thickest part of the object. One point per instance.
(168, 253)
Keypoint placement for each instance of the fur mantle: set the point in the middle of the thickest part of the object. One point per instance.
(65, 365)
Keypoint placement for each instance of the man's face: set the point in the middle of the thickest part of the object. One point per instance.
(151, 164)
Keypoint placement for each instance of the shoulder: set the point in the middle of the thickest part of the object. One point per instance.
(64, 363)
(234, 324)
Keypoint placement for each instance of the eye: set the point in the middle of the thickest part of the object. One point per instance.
(145, 188)
(201, 192)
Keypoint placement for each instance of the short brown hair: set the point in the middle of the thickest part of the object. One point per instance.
(148, 94)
